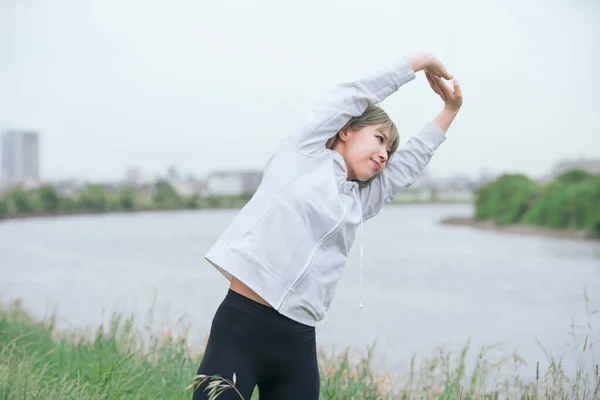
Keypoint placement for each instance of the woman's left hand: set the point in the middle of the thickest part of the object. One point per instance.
(453, 99)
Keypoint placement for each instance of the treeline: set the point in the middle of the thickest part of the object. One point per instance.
(570, 201)
(45, 200)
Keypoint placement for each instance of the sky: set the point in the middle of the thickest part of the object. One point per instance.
(215, 85)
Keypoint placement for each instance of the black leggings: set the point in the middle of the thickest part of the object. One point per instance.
(263, 348)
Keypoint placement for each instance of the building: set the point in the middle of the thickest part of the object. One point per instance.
(233, 183)
(589, 165)
(20, 156)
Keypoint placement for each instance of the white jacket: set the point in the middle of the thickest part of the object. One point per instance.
(290, 243)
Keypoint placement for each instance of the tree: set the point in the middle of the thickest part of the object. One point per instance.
(126, 199)
(92, 198)
(3, 208)
(20, 200)
(48, 199)
(571, 201)
(573, 176)
(166, 197)
(506, 199)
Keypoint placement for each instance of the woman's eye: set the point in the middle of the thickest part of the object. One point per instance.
(380, 139)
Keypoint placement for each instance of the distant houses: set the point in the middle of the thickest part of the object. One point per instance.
(232, 183)
(245, 182)
(590, 166)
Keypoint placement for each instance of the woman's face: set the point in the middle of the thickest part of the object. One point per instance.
(365, 151)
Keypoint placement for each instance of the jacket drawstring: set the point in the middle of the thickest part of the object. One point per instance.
(360, 291)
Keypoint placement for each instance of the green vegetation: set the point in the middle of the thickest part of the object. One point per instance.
(120, 362)
(571, 201)
(45, 200)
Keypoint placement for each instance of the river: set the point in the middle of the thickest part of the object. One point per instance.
(426, 285)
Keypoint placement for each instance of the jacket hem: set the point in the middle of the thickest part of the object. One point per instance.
(231, 262)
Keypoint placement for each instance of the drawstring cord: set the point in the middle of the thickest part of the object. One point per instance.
(360, 291)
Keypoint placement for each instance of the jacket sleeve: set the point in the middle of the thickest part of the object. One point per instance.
(405, 167)
(348, 100)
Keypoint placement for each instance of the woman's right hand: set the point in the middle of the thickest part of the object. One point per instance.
(453, 98)
(430, 63)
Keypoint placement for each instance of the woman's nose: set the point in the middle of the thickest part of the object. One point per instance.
(383, 156)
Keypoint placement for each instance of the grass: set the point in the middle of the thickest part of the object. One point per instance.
(39, 362)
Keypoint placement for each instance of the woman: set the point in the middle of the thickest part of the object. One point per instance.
(285, 251)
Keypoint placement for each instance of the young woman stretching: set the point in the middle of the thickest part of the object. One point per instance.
(286, 250)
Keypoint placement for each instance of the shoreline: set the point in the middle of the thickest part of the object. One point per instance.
(520, 229)
(150, 210)
(84, 213)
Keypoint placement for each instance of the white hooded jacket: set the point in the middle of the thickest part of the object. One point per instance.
(290, 243)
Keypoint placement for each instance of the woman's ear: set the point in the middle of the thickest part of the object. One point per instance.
(343, 134)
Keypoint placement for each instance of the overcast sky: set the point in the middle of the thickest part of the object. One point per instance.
(213, 85)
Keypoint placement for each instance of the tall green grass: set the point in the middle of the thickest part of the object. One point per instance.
(37, 361)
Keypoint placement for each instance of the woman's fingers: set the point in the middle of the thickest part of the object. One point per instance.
(452, 96)
(431, 83)
(429, 80)
(435, 86)
(457, 90)
(442, 86)
(458, 99)
(445, 74)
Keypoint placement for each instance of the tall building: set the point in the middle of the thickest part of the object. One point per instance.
(20, 156)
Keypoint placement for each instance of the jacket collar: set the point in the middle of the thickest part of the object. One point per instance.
(341, 171)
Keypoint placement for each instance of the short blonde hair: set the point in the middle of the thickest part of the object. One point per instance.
(373, 115)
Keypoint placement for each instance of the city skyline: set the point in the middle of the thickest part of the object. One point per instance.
(182, 87)
(149, 174)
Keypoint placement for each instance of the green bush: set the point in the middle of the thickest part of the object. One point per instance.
(96, 198)
(166, 197)
(68, 204)
(573, 176)
(92, 198)
(3, 208)
(571, 201)
(48, 199)
(19, 201)
(506, 199)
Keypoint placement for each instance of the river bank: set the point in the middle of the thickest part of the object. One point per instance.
(73, 213)
(520, 229)
(81, 213)
(38, 361)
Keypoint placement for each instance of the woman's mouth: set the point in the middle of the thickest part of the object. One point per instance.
(377, 165)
